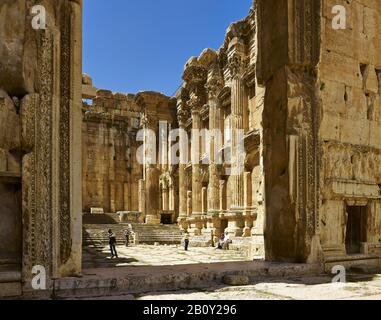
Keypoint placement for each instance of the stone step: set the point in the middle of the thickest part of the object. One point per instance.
(147, 234)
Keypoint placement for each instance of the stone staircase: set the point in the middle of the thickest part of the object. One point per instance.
(95, 227)
(162, 234)
(97, 236)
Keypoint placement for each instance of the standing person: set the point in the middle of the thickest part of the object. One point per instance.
(186, 241)
(112, 243)
(127, 235)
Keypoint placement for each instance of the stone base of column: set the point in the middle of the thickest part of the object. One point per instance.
(249, 219)
(235, 227)
(183, 223)
(246, 232)
(234, 231)
(258, 248)
(196, 226)
(153, 220)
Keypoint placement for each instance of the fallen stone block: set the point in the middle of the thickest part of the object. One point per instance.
(365, 269)
(236, 280)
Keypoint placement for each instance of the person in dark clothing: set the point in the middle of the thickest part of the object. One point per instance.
(221, 241)
(127, 235)
(112, 243)
(186, 241)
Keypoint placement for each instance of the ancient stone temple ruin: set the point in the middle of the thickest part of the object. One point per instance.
(113, 135)
(307, 98)
(291, 170)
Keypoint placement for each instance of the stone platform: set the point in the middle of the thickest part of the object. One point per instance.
(120, 281)
(147, 255)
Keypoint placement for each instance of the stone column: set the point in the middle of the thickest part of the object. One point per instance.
(189, 203)
(165, 204)
(204, 200)
(214, 86)
(141, 196)
(238, 104)
(183, 116)
(152, 201)
(195, 76)
(222, 195)
(196, 166)
(152, 198)
(248, 213)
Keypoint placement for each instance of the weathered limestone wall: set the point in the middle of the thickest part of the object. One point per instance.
(321, 127)
(350, 129)
(40, 85)
(111, 173)
(289, 121)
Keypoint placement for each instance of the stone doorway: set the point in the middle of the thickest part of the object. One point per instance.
(10, 227)
(224, 225)
(356, 228)
(166, 218)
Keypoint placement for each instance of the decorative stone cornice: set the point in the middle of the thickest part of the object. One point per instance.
(250, 76)
(224, 94)
(195, 76)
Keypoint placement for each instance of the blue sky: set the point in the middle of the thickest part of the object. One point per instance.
(136, 45)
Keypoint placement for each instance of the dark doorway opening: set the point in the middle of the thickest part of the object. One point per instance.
(10, 223)
(224, 225)
(356, 229)
(166, 218)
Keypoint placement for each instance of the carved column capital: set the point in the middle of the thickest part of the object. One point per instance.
(147, 121)
(182, 117)
(236, 65)
(214, 84)
(195, 76)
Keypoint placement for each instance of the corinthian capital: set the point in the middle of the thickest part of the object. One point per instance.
(196, 102)
(183, 116)
(215, 83)
(195, 76)
(236, 65)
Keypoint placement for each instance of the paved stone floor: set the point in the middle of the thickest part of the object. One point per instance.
(156, 256)
(359, 287)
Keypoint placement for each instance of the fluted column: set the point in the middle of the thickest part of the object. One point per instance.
(236, 61)
(195, 77)
(183, 116)
(238, 104)
(196, 167)
(214, 86)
